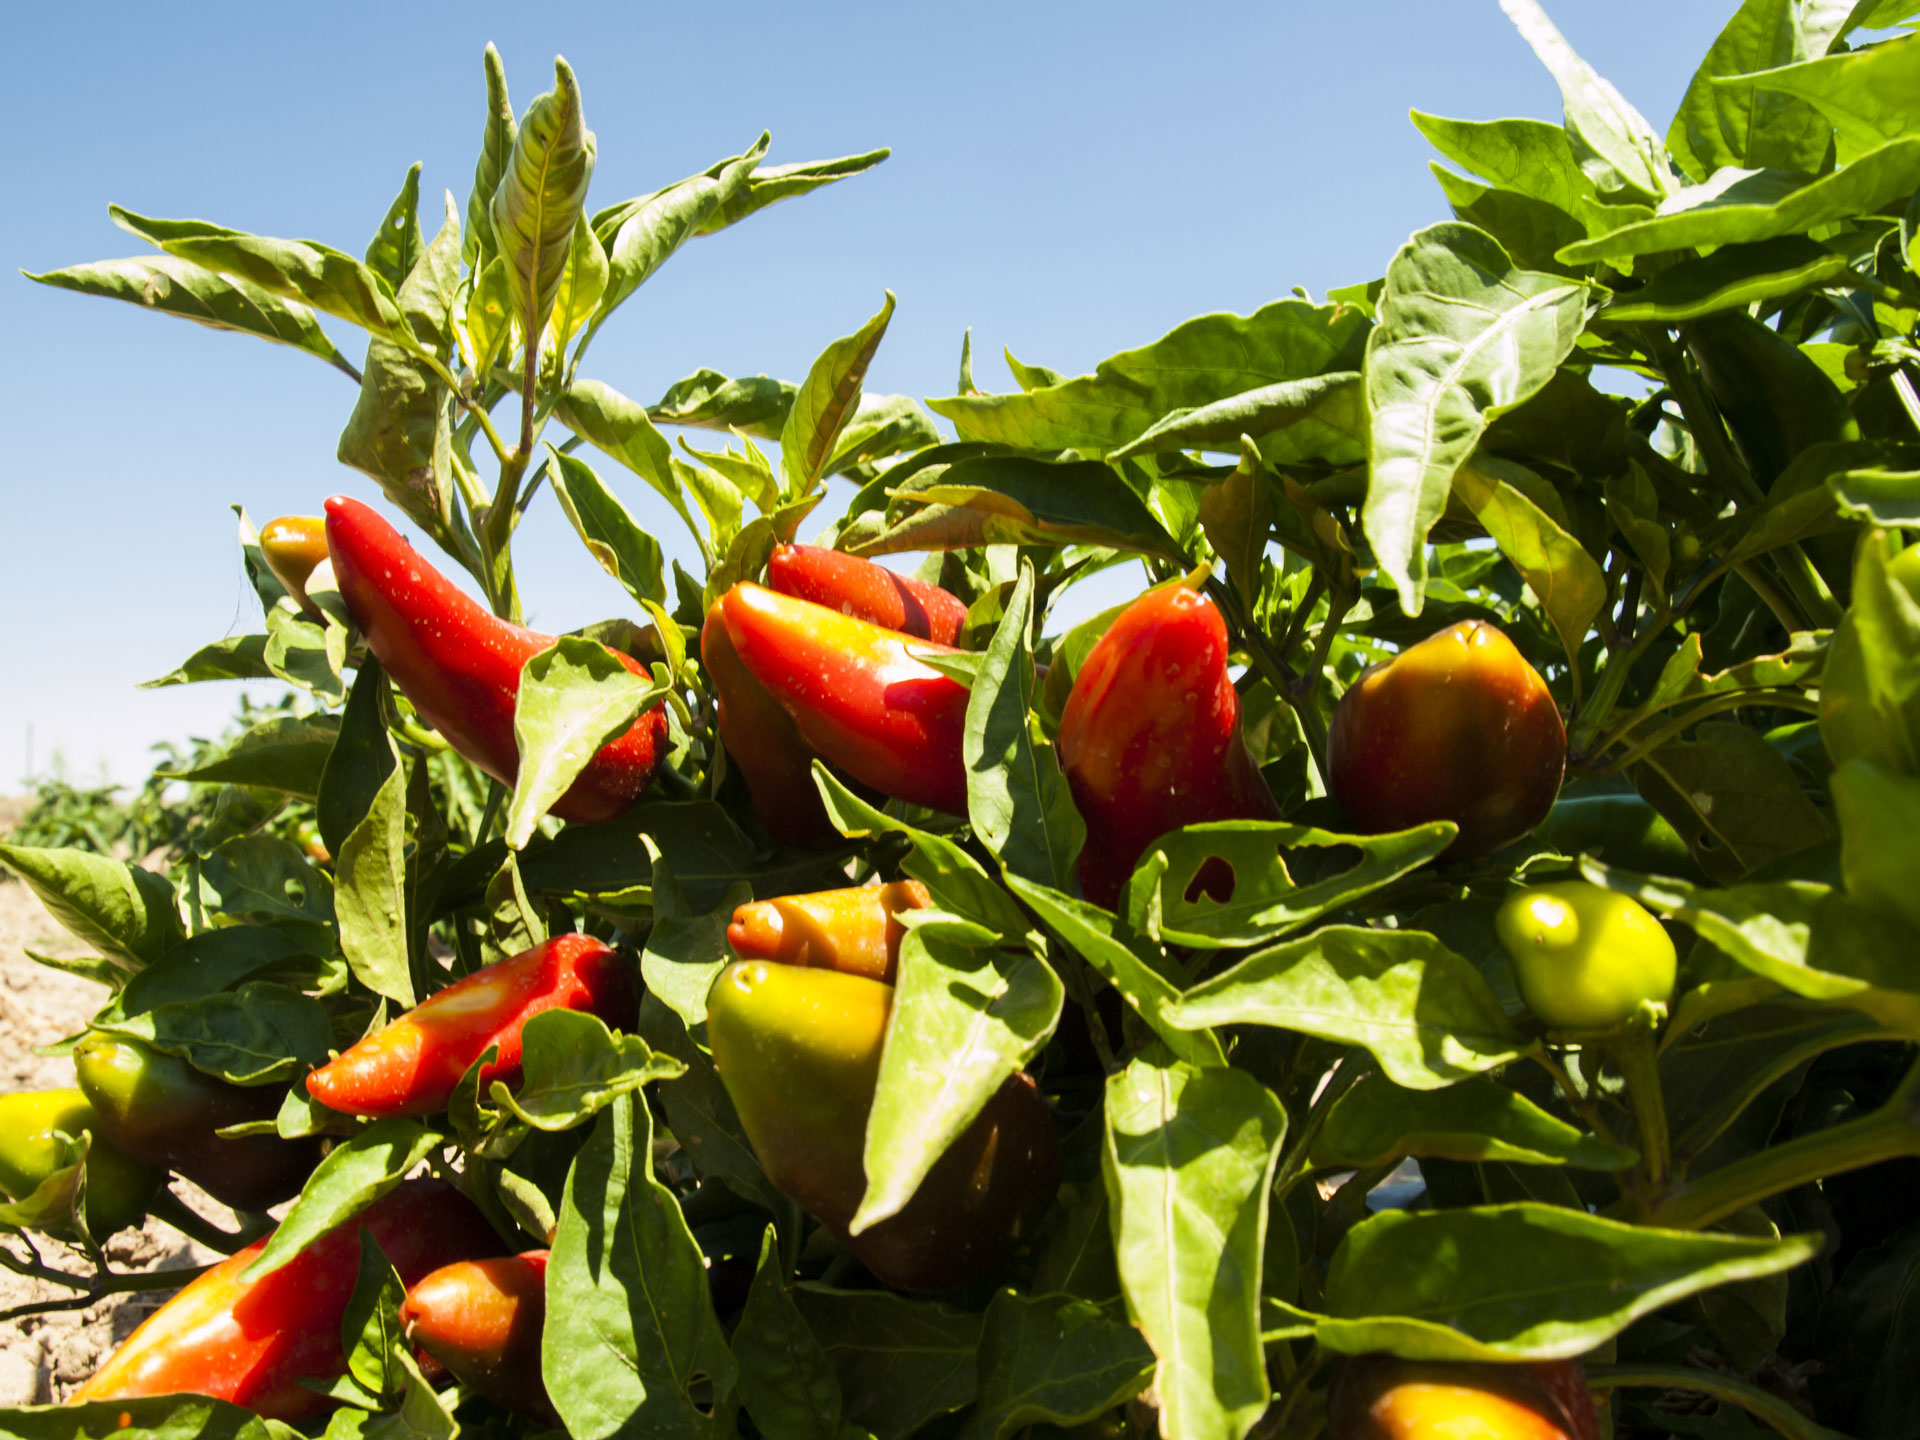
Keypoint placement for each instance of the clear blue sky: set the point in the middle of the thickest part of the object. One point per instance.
(1067, 179)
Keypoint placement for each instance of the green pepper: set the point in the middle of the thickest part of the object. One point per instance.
(799, 1052)
(119, 1188)
(1586, 958)
(159, 1109)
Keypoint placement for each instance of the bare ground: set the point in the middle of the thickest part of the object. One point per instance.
(42, 1357)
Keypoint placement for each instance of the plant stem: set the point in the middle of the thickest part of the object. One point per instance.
(91, 1289)
(1581, 1106)
(1293, 1166)
(1782, 699)
(1633, 1050)
(1889, 1133)
(167, 1206)
(1758, 1403)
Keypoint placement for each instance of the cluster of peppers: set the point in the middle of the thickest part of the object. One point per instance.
(826, 661)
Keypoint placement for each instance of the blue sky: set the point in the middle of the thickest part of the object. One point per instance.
(1069, 180)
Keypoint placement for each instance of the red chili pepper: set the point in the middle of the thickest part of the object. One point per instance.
(412, 1066)
(482, 1320)
(251, 1342)
(857, 693)
(765, 745)
(1150, 737)
(866, 591)
(460, 665)
(856, 931)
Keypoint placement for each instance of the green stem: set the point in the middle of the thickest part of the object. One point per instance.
(169, 1207)
(1889, 1133)
(90, 1290)
(1580, 1104)
(1779, 699)
(1633, 1051)
(1760, 1404)
(473, 407)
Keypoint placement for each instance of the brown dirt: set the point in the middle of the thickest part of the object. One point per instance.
(42, 1357)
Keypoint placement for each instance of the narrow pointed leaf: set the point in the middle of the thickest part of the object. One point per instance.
(541, 195)
(825, 402)
(496, 150)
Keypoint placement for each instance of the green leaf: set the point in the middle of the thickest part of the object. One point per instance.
(787, 1384)
(1531, 159)
(1463, 336)
(1733, 796)
(1733, 277)
(1521, 1282)
(686, 951)
(153, 1417)
(496, 152)
(1205, 360)
(756, 405)
(574, 1067)
(770, 184)
(299, 270)
(205, 964)
(1188, 1159)
(1870, 690)
(1563, 577)
(1090, 932)
(900, 1362)
(370, 898)
(1017, 798)
(700, 1112)
(397, 245)
(1741, 207)
(288, 752)
(1422, 1011)
(370, 1330)
(1726, 119)
(825, 402)
(575, 697)
(355, 1173)
(1265, 903)
(401, 428)
(1868, 95)
(1478, 1119)
(582, 285)
(1237, 516)
(238, 657)
(650, 229)
(57, 1205)
(542, 193)
(127, 913)
(630, 1326)
(608, 530)
(178, 287)
(1053, 1359)
(964, 1018)
(607, 419)
(361, 760)
(297, 652)
(1619, 149)
(1001, 499)
(255, 1035)
(1319, 418)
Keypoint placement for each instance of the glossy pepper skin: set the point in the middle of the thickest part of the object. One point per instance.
(293, 546)
(252, 1341)
(413, 1065)
(1150, 736)
(856, 931)
(1382, 1397)
(799, 1052)
(1458, 727)
(460, 665)
(119, 1188)
(857, 695)
(162, 1111)
(866, 591)
(1586, 957)
(482, 1320)
(764, 744)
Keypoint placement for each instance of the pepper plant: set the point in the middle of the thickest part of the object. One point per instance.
(1645, 403)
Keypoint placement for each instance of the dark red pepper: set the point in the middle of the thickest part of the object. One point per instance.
(251, 1342)
(1150, 737)
(412, 1066)
(482, 1320)
(460, 665)
(866, 591)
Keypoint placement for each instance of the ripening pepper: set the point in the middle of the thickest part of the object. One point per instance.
(866, 591)
(119, 1188)
(1150, 736)
(799, 1052)
(1586, 958)
(857, 693)
(1382, 1397)
(482, 1320)
(855, 931)
(764, 745)
(460, 665)
(251, 1341)
(160, 1110)
(1458, 727)
(413, 1065)
(293, 546)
